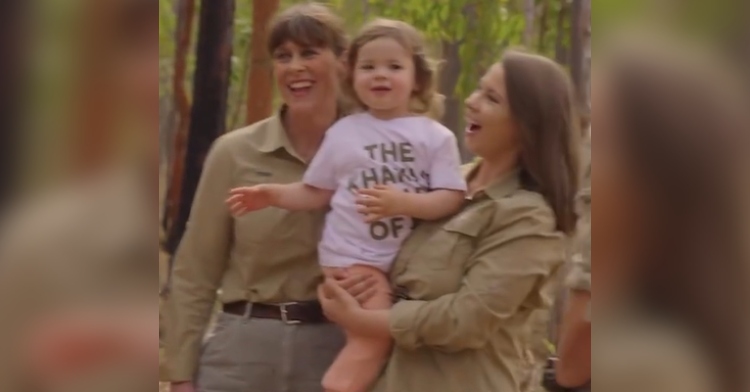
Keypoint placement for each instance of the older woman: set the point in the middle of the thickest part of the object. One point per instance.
(470, 284)
(271, 335)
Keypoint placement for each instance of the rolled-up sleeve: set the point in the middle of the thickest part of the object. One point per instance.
(200, 263)
(507, 270)
(579, 277)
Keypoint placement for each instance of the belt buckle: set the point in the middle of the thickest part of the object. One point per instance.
(285, 313)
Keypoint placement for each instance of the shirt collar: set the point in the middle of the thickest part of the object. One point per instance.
(499, 188)
(273, 137)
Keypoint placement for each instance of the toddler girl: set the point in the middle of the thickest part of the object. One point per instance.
(378, 170)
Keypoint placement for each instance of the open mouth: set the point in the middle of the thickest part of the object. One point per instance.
(300, 88)
(380, 89)
(472, 127)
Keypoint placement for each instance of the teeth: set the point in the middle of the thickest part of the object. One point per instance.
(297, 85)
(472, 126)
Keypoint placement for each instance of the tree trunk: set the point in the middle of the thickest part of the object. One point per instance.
(529, 10)
(260, 83)
(561, 53)
(586, 83)
(242, 89)
(93, 106)
(208, 115)
(449, 75)
(577, 50)
(13, 14)
(543, 22)
(185, 10)
(365, 9)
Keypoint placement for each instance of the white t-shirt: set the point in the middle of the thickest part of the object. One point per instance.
(415, 154)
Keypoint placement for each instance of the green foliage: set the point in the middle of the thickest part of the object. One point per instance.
(483, 28)
(167, 25)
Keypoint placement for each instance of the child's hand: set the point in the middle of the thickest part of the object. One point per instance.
(380, 202)
(249, 198)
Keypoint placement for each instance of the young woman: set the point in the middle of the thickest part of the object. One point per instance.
(470, 283)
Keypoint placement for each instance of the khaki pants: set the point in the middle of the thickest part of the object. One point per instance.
(260, 355)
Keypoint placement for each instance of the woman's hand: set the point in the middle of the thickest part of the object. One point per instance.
(360, 286)
(338, 305)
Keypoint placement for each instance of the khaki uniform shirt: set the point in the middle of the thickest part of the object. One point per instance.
(580, 274)
(90, 246)
(474, 281)
(265, 256)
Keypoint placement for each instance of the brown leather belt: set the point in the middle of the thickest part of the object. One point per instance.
(307, 312)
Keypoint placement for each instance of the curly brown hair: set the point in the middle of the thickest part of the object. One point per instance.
(425, 100)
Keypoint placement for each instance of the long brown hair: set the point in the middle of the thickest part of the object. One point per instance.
(683, 136)
(541, 100)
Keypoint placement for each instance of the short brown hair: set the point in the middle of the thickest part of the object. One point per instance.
(309, 24)
(541, 100)
(412, 40)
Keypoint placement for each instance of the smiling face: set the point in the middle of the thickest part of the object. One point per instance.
(306, 76)
(491, 130)
(384, 77)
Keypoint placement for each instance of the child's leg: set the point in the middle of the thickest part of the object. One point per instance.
(360, 362)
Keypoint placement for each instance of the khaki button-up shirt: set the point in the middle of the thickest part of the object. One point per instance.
(473, 282)
(579, 275)
(265, 256)
(90, 246)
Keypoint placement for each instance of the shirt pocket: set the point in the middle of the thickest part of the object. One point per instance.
(453, 245)
(270, 226)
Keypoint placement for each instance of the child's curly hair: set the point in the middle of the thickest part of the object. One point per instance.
(425, 99)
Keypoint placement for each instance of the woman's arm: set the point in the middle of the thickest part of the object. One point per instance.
(342, 308)
(200, 263)
(573, 368)
(574, 347)
(509, 265)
